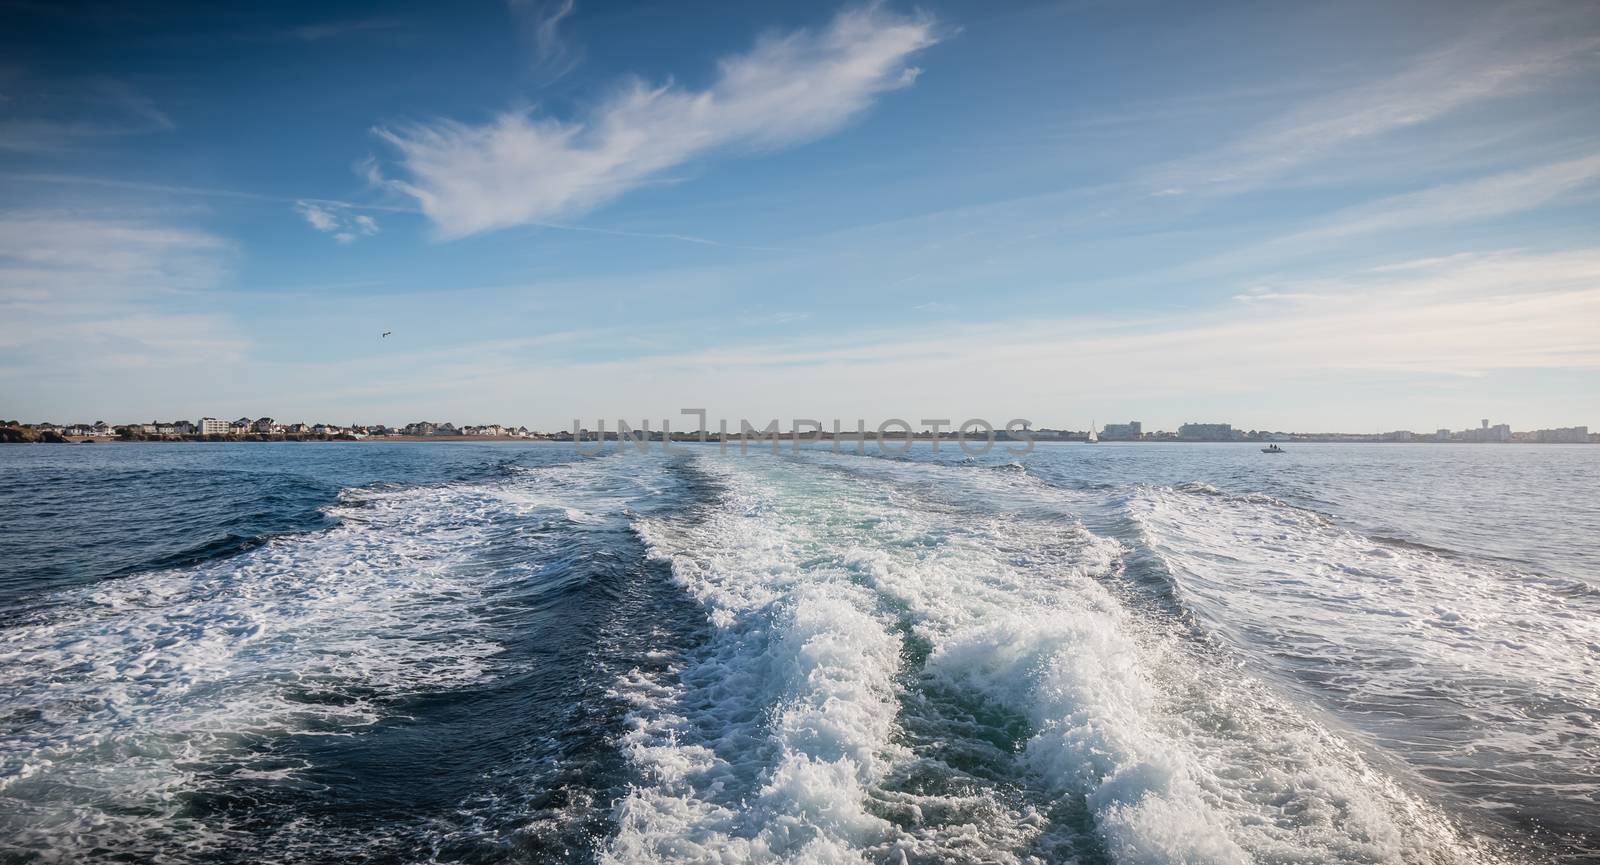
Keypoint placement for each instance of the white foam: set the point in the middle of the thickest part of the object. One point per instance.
(1458, 615)
(1495, 664)
(764, 748)
(125, 698)
(1175, 752)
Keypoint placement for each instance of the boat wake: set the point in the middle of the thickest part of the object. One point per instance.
(847, 595)
(807, 657)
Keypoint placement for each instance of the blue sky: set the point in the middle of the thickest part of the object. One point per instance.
(1355, 216)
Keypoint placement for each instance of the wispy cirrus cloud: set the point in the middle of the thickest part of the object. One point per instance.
(64, 258)
(540, 22)
(1314, 349)
(334, 29)
(1480, 199)
(1465, 74)
(82, 293)
(1464, 314)
(521, 168)
(77, 113)
(1497, 195)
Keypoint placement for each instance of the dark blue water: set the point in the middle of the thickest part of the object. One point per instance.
(85, 513)
(512, 653)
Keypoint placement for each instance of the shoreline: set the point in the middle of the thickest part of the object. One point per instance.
(754, 442)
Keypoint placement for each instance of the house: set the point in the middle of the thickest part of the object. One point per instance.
(265, 425)
(323, 429)
(183, 427)
(298, 428)
(101, 428)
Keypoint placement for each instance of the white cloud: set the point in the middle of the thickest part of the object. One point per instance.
(1337, 351)
(69, 115)
(337, 220)
(58, 257)
(82, 296)
(1453, 316)
(519, 168)
(1484, 198)
(540, 22)
(320, 218)
(1446, 81)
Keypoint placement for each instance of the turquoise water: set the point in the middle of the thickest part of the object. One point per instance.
(512, 653)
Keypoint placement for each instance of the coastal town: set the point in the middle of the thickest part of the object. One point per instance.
(257, 429)
(244, 429)
(1484, 432)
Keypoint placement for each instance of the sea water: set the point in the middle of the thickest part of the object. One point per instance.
(1124, 653)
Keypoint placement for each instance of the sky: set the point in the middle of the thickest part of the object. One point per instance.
(1357, 217)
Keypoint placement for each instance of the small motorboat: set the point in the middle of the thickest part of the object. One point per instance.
(1272, 449)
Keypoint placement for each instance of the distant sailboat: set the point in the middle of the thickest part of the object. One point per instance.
(1094, 437)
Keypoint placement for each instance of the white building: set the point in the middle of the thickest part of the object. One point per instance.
(1122, 432)
(1212, 432)
(1563, 435)
(211, 426)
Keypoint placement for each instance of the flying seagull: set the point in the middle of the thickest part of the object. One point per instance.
(386, 333)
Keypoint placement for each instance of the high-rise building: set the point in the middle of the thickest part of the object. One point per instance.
(213, 427)
(1500, 432)
(1563, 435)
(1122, 432)
(1206, 432)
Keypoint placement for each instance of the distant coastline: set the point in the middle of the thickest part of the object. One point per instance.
(12, 435)
(268, 430)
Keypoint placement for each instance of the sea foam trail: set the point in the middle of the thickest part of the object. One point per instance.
(1488, 676)
(1174, 754)
(762, 748)
(125, 701)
